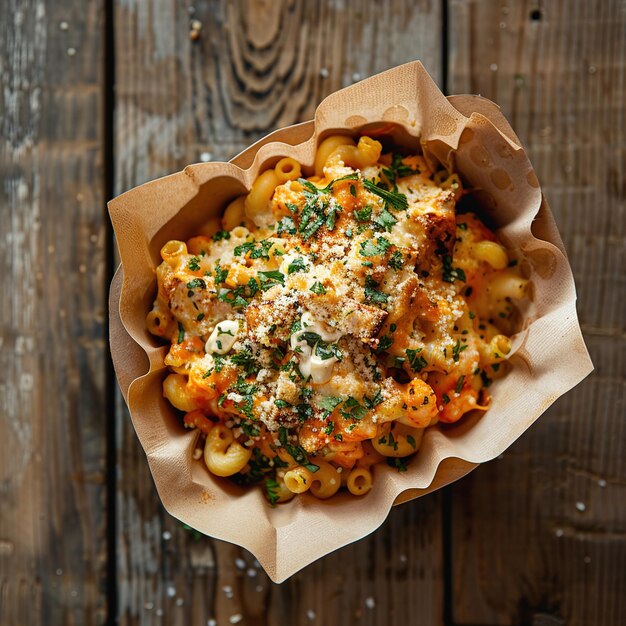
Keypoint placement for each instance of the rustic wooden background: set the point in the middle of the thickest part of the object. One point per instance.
(98, 96)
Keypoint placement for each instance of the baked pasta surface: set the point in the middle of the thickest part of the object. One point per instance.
(321, 324)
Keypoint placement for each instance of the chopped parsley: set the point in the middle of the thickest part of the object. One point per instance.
(364, 214)
(297, 265)
(286, 225)
(371, 292)
(416, 361)
(219, 362)
(370, 403)
(374, 247)
(194, 264)
(331, 216)
(246, 391)
(310, 337)
(327, 351)
(235, 297)
(318, 288)
(271, 278)
(459, 384)
(384, 343)
(319, 209)
(220, 274)
(304, 412)
(272, 489)
(220, 235)
(328, 404)
(396, 260)
(385, 220)
(325, 190)
(297, 452)
(321, 348)
(396, 201)
(196, 283)
(457, 349)
(396, 170)
(353, 409)
(181, 333)
(309, 222)
(246, 360)
(255, 249)
(450, 274)
(250, 429)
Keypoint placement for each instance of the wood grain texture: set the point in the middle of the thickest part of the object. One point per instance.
(256, 66)
(539, 536)
(52, 349)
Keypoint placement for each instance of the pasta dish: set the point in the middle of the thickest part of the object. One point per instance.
(322, 323)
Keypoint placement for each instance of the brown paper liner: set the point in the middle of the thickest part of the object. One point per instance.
(549, 356)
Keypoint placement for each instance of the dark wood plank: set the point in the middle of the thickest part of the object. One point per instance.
(256, 66)
(539, 536)
(52, 278)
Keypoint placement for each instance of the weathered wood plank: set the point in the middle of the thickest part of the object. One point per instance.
(52, 350)
(539, 535)
(256, 66)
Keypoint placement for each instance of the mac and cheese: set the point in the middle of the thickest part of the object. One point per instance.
(329, 320)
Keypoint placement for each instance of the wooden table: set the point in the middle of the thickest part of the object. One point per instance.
(99, 96)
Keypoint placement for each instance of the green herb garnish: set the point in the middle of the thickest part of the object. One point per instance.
(371, 292)
(374, 247)
(196, 283)
(271, 278)
(364, 214)
(396, 201)
(416, 361)
(457, 349)
(318, 288)
(297, 265)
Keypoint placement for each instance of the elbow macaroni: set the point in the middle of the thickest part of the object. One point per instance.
(223, 455)
(333, 319)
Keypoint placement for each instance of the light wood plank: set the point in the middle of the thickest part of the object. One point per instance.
(539, 536)
(256, 66)
(52, 349)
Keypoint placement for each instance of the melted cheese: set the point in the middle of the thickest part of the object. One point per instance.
(320, 370)
(223, 337)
